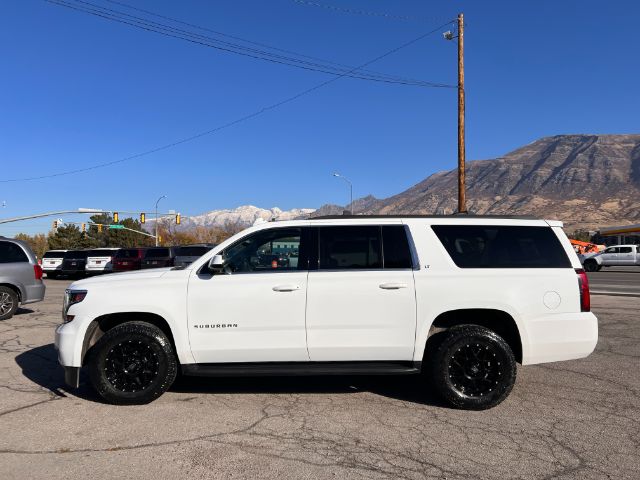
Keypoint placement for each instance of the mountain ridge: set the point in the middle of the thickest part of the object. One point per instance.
(587, 181)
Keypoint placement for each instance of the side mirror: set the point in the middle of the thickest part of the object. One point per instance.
(216, 264)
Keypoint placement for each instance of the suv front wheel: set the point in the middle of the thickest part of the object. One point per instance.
(472, 367)
(133, 363)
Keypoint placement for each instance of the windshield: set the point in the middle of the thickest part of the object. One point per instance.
(157, 253)
(53, 255)
(196, 251)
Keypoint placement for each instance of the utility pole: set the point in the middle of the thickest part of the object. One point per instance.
(462, 200)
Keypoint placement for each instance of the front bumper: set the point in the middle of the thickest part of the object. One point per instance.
(68, 348)
(68, 357)
(555, 338)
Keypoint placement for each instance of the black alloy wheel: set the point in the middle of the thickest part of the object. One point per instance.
(475, 369)
(472, 367)
(133, 363)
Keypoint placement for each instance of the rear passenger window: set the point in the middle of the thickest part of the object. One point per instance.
(474, 246)
(395, 247)
(350, 247)
(10, 253)
(624, 250)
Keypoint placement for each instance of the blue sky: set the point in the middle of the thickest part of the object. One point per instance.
(78, 90)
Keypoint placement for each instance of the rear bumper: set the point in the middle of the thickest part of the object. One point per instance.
(33, 293)
(554, 338)
(98, 269)
(126, 268)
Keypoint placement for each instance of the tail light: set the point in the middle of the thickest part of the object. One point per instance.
(37, 270)
(583, 286)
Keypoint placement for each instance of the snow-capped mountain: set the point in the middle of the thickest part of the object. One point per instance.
(244, 216)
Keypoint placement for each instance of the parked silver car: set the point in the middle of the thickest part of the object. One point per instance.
(20, 276)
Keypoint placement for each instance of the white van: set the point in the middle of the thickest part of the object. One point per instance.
(460, 299)
(100, 260)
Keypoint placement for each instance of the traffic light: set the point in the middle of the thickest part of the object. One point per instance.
(55, 224)
(84, 228)
(142, 217)
(178, 219)
(99, 228)
(115, 217)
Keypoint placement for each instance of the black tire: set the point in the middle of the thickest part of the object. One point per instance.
(53, 275)
(8, 302)
(591, 266)
(132, 364)
(471, 367)
(599, 268)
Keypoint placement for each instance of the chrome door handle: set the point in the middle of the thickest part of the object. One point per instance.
(393, 286)
(286, 288)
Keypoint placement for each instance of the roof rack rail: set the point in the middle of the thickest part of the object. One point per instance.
(455, 215)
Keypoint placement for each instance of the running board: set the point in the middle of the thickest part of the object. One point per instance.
(300, 369)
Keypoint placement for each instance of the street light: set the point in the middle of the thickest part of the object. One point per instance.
(163, 196)
(350, 188)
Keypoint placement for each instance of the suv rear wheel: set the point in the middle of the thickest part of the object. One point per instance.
(8, 302)
(472, 367)
(133, 363)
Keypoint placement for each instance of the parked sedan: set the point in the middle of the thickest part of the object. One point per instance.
(158, 257)
(127, 259)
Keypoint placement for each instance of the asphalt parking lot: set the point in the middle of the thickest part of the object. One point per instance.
(578, 419)
(616, 281)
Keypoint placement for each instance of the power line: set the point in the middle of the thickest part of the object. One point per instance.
(230, 47)
(259, 44)
(229, 124)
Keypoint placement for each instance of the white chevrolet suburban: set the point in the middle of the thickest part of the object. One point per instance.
(460, 299)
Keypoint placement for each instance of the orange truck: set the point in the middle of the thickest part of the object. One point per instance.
(585, 247)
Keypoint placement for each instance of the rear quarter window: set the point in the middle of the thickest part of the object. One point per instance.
(11, 253)
(476, 246)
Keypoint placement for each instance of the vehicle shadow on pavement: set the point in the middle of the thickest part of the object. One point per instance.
(22, 311)
(40, 365)
(405, 388)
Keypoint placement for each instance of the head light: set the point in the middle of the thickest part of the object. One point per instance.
(71, 297)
